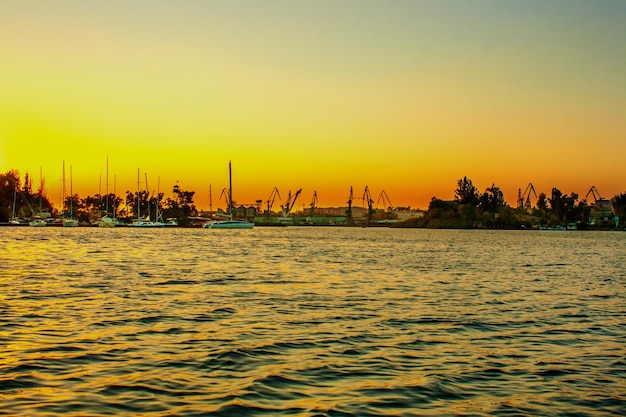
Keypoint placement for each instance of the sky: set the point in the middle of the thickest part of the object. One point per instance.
(401, 96)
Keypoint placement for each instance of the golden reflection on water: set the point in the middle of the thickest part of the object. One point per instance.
(302, 320)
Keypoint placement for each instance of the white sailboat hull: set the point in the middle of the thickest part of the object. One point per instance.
(228, 224)
(70, 223)
(107, 221)
(146, 223)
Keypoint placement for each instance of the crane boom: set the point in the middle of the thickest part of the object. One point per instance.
(288, 206)
(523, 200)
(368, 197)
(349, 210)
(271, 198)
(384, 197)
(226, 195)
(313, 202)
(602, 210)
(596, 194)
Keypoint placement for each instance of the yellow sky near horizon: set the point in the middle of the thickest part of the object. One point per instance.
(405, 97)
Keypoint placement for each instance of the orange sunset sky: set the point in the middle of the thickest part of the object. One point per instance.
(401, 96)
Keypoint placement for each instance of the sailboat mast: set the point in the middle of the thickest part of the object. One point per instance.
(40, 190)
(71, 194)
(230, 190)
(64, 190)
(138, 199)
(115, 199)
(157, 213)
(147, 194)
(14, 199)
(107, 189)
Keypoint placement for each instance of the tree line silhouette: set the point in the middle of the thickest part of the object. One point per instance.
(472, 209)
(469, 209)
(19, 200)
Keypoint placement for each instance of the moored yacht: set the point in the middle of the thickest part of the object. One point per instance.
(145, 221)
(230, 223)
(107, 221)
(38, 223)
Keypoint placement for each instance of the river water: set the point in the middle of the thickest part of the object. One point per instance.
(312, 321)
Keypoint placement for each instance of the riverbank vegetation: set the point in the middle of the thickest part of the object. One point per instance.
(21, 201)
(469, 209)
(472, 209)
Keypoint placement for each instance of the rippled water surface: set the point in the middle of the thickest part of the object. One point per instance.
(311, 321)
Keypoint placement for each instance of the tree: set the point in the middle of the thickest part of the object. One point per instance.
(181, 208)
(75, 206)
(572, 210)
(39, 204)
(542, 202)
(466, 193)
(27, 204)
(506, 219)
(110, 204)
(9, 182)
(92, 207)
(441, 214)
(582, 211)
(492, 199)
(155, 205)
(131, 203)
(185, 197)
(441, 205)
(563, 206)
(557, 206)
(619, 205)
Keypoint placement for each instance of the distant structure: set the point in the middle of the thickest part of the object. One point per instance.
(602, 211)
(523, 200)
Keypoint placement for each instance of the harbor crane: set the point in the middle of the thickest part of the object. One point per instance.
(230, 204)
(226, 196)
(313, 202)
(271, 198)
(384, 197)
(368, 197)
(523, 200)
(349, 210)
(210, 200)
(288, 205)
(601, 204)
(602, 210)
(596, 194)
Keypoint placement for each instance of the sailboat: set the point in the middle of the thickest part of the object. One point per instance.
(71, 221)
(230, 223)
(144, 222)
(37, 223)
(38, 220)
(14, 220)
(106, 221)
